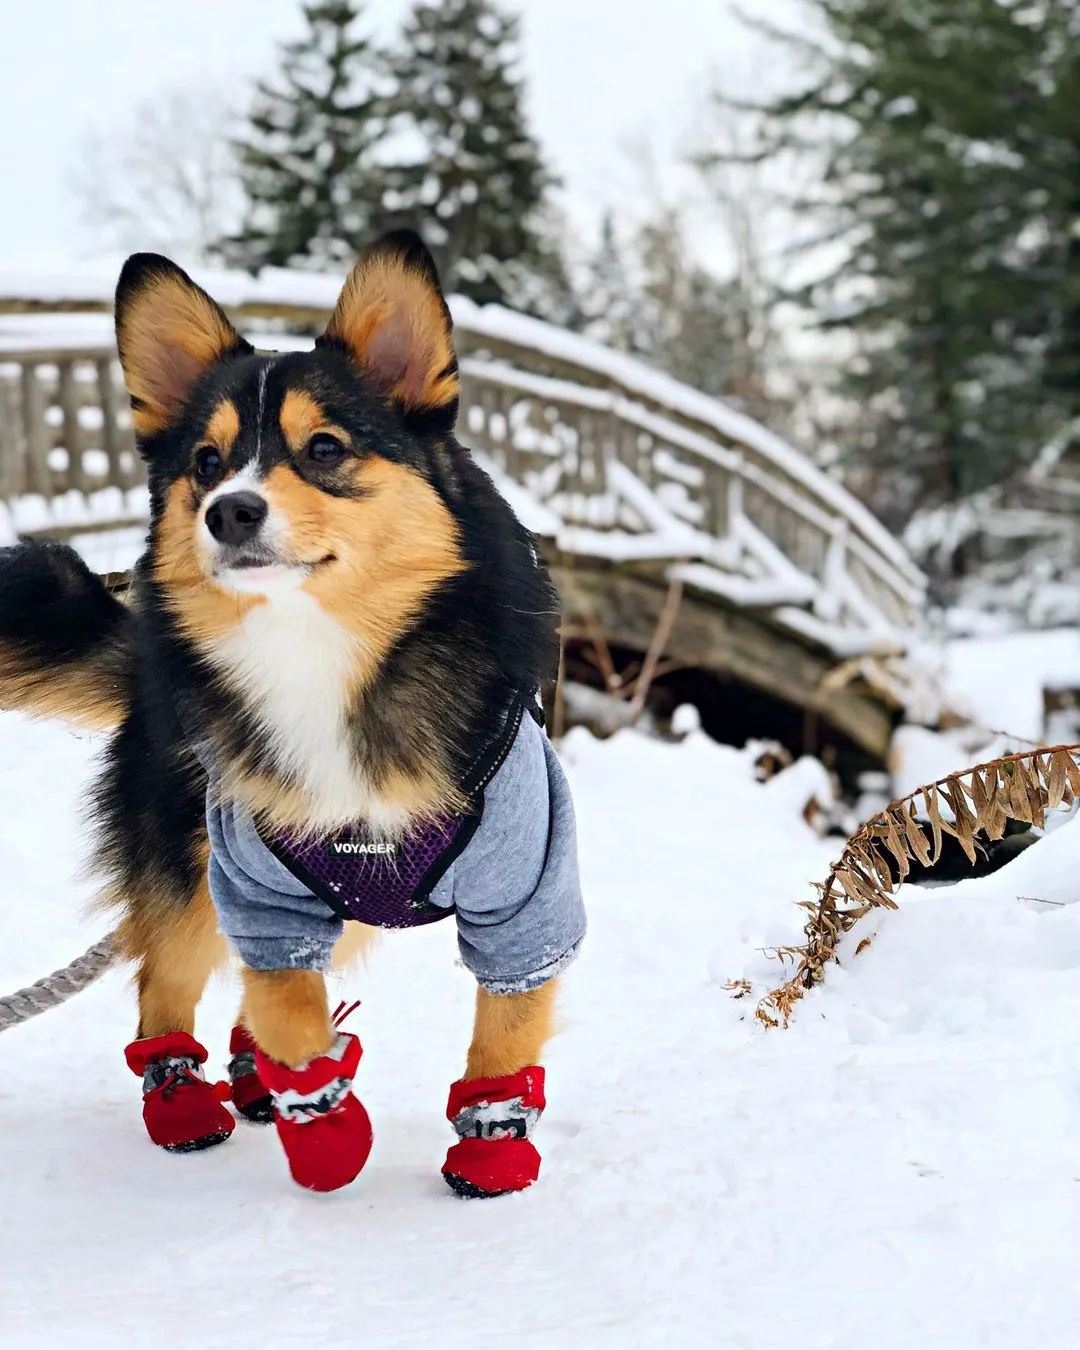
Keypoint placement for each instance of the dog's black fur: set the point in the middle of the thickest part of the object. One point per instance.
(482, 637)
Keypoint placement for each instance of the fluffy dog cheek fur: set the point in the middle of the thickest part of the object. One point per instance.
(392, 544)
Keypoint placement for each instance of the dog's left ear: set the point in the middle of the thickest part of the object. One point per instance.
(394, 323)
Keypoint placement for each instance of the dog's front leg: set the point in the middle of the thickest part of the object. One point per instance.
(495, 1106)
(308, 1067)
(287, 1013)
(176, 944)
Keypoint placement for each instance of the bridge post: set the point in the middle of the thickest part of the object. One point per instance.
(113, 440)
(10, 444)
(35, 432)
(829, 599)
(734, 501)
(68, 392)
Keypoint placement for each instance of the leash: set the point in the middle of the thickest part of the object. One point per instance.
(52, 990)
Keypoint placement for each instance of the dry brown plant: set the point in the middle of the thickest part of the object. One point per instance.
(878, 856)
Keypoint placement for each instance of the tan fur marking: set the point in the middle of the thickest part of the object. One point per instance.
(278, 806)
(392, 547)
(177, 949)
(301, 418)
(86, 695)
(510, 1030)
(206, 611)
(223, 427)
(392, 320)
(354, 945)
(286, 1011)
(170, 332)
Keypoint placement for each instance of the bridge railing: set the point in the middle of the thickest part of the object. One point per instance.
(64, 423)
(629, 484)
(623, 463)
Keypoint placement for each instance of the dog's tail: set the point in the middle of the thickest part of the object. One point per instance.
(65, 640)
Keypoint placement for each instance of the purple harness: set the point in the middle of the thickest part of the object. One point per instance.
(389, 885)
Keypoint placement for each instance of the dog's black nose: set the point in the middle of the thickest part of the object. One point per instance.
(236, 517)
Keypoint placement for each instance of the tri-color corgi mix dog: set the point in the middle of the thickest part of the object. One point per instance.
(323, 699)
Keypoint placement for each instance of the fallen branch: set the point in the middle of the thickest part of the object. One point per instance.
(657, 643)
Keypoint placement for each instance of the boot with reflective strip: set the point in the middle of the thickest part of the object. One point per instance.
(324, 1130)
(181, 1110)
(249, 1094)
(493, 1118)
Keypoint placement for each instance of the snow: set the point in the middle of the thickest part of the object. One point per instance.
(897, 1169)
(95, 283)
(996, 684)
(745, 591)
(111, 550)
(842, 642)
(999, 681)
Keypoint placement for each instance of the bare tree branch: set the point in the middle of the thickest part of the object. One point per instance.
(165, 179)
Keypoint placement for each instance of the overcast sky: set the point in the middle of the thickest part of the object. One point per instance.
(600, 72)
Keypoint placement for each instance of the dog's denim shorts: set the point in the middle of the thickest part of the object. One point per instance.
(514, 889)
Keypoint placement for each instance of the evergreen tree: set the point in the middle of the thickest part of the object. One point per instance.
(464, 168)
(307, 163)
(949, 196)
(651, 298)
(607, 299)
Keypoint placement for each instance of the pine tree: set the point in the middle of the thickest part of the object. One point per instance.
(949, 196)
(610, 307)
(467, 172)
(651, 298)
(315, 195)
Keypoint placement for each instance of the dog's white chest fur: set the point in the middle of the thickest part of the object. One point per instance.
(293, 663)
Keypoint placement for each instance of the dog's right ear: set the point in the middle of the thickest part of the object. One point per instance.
(393, 322)
(168, 333)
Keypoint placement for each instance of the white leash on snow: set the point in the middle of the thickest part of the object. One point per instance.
(52, 990)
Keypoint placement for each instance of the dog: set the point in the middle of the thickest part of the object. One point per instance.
(322, 697)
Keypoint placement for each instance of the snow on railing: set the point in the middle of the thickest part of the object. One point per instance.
(606, 457)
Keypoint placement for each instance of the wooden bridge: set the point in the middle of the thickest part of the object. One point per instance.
(674, 525)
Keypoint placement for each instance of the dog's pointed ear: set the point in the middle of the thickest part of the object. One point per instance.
(394, 323)
(168, 333)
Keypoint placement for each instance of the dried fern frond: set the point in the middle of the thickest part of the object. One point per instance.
(878, 856)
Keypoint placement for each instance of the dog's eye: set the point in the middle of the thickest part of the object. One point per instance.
(326, 450)
(207, 464)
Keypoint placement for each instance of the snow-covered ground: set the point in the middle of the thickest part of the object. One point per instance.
(999, 680)
(899, 1169)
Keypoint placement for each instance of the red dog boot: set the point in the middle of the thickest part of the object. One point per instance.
(324, 1130)
(181, 1110)
(249, 1093)
(494, 1118)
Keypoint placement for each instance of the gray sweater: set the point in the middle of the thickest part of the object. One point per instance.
(514, 889)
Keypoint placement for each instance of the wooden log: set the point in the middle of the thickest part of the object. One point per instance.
(627, 607)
